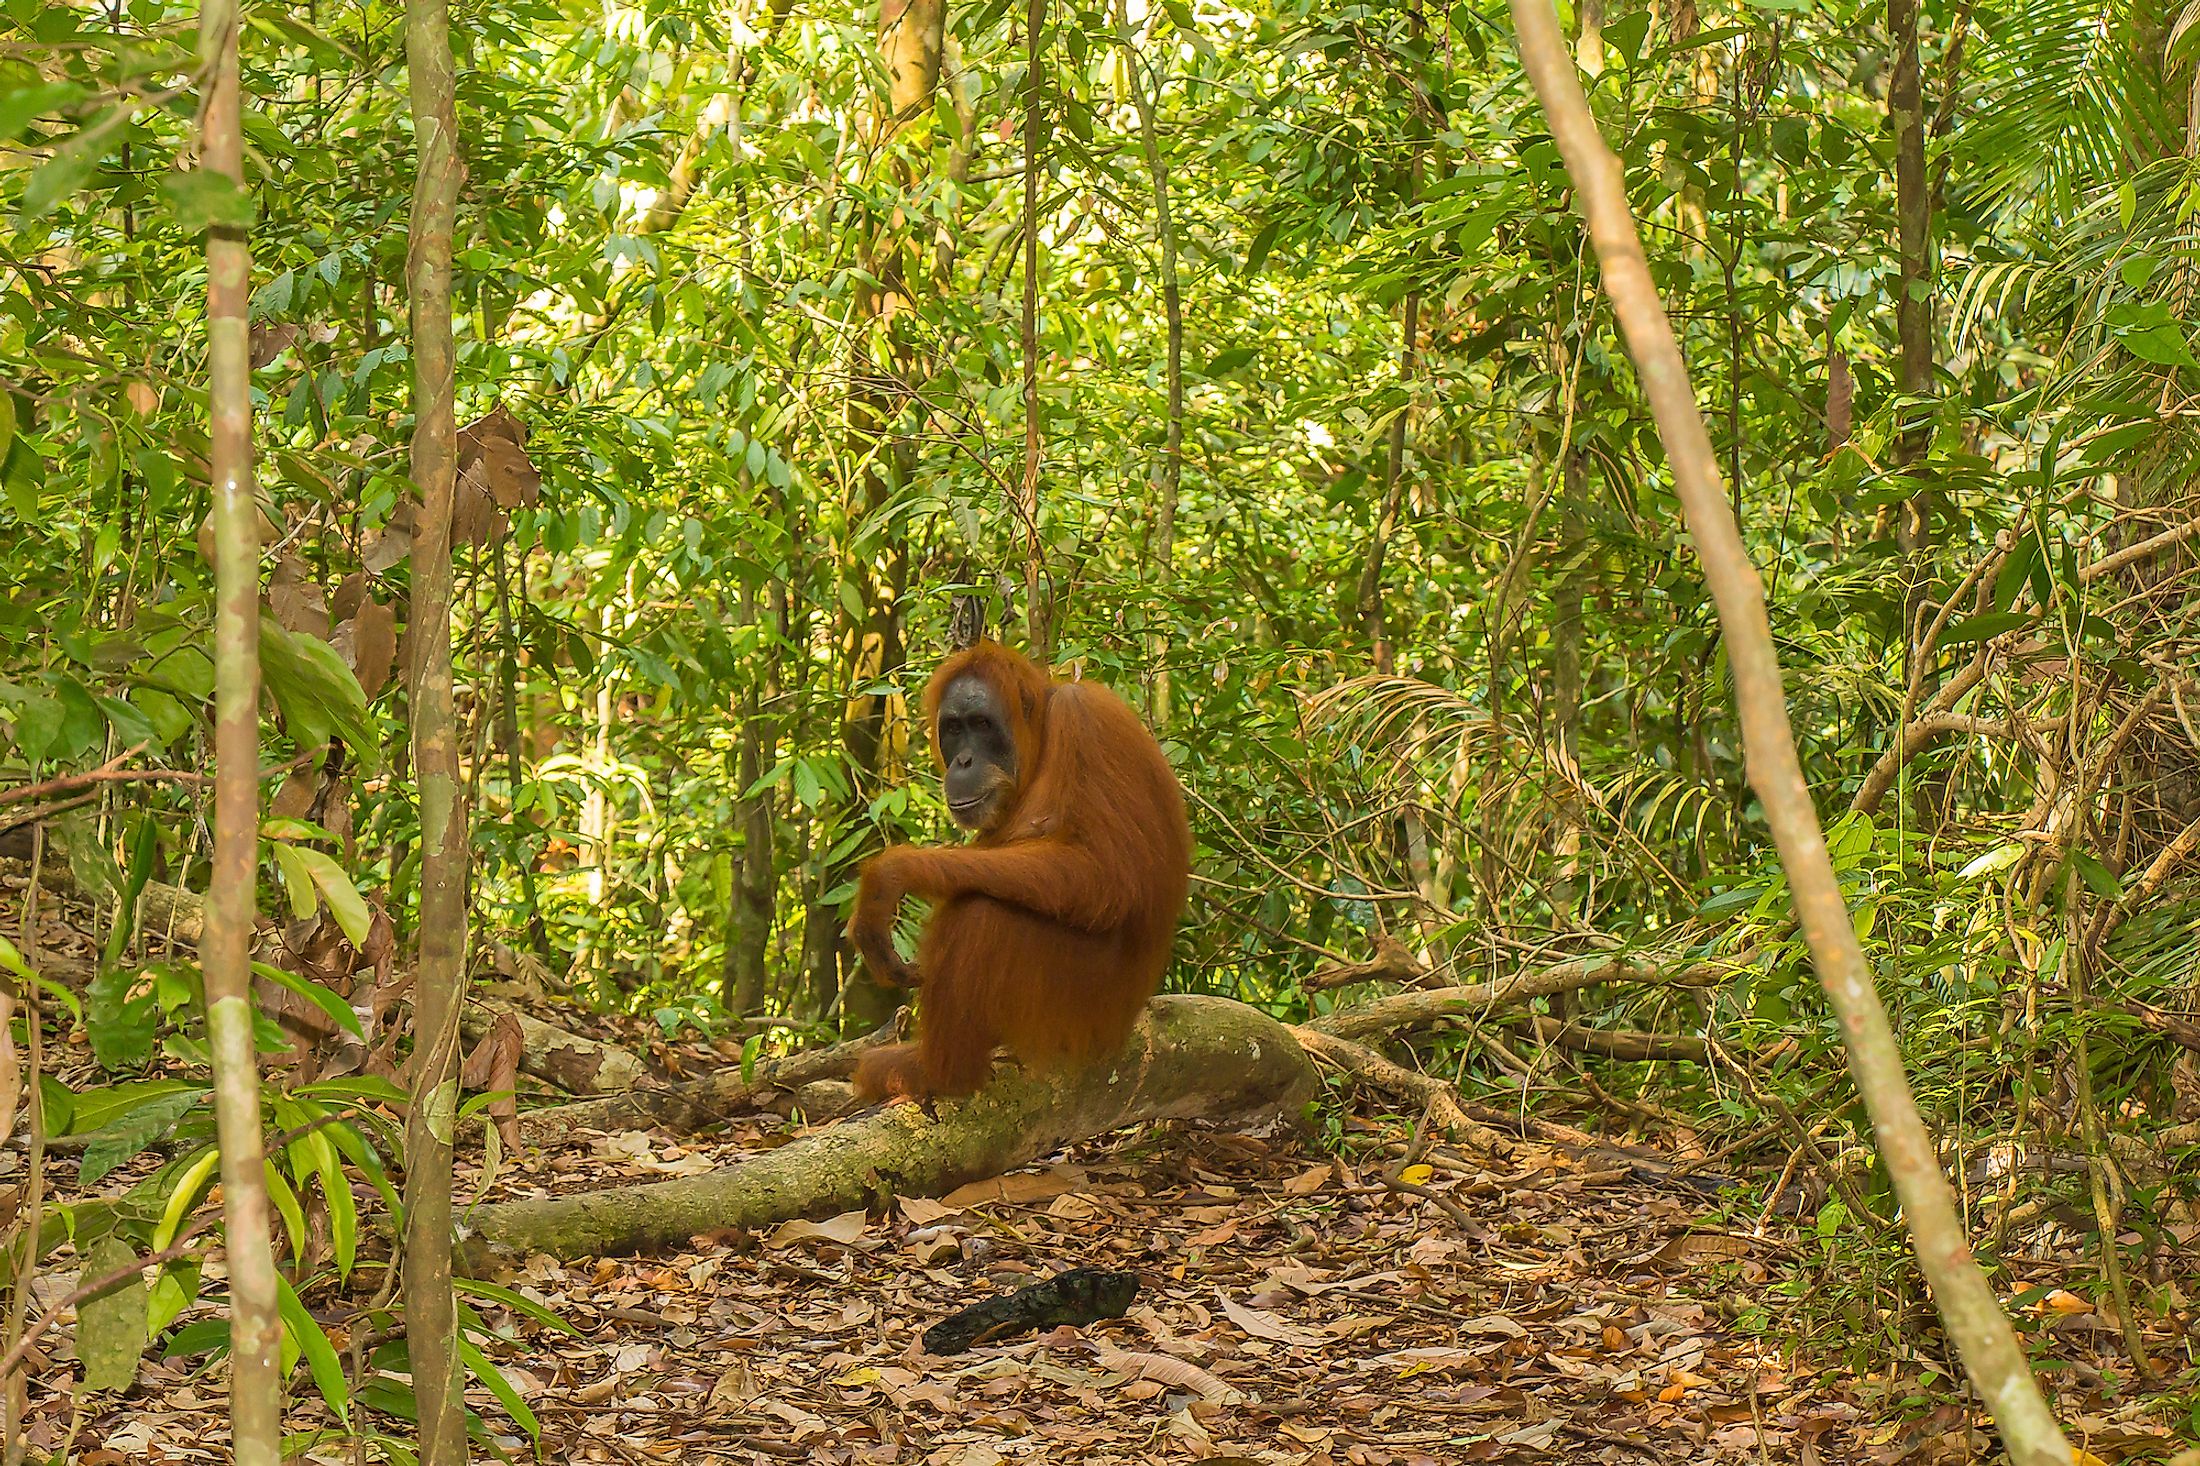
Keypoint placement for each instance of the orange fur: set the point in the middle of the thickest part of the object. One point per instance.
(1052, 928)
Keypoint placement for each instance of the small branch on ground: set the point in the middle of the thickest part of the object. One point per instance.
(1440, 1103)
(687, 1109)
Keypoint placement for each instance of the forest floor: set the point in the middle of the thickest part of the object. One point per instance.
(1294, 1310)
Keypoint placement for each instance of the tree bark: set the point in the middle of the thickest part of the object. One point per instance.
(1913, 307)
(1168, 474)
(255, 1395)
(439, 988)
(1991, 1355)
(1189, 1057)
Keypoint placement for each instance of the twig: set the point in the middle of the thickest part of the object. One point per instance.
(107, 773)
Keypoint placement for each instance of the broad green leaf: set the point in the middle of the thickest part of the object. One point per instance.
(342, 896)
(322, 1360)
(182, 1195)
(128, 1137)
(1984, 627)
(111, 1325)
(297, 880)
(202, 198)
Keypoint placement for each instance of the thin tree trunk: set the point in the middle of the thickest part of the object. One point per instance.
(1995, 1362)
(1566, 683)
(756, 876)
(1168, 474)
(910, 37)
(1392, 504)
(225, 955)
(1913, 307)
(28, 1226)
(515, 764)
(1036, 616)
(431, 1319)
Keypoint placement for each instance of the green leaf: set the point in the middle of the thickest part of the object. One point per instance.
(120, 1019)
(202, 199)
(297, 880)
(19, 105)
(23, 476)
(1984, 627)
(175, 1288)
(106, 1149)
(322, 1360)
(343, 1208)
(518, 1303)
(339, 1011)
(480, 1367)
(2163, 345)
(316, 693)
(1229, 361)
(110, 1326)
(1256, 254)
(185, 1192)
(342, 896)
(2098, 878)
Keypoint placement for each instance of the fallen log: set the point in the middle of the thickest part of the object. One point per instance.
(1189, 1058)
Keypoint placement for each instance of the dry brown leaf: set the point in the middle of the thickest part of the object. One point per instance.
(373, 645)
(922, 1211)
(1020, 1188)
(295, 597)
(1309, 1181)
(843, 1229)
(494, 1066)
(1697, 1248)
(1267, 1326)
(1164, 1370)
(496, 443)
(475, 517)
(269, 342)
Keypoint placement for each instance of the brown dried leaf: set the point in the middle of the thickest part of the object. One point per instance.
(269, 342)
(494, 1066)
(1020, 1189)
(373, 645)
(1162, 1369)
(1698, 1248)
(474, 514)
(349, 594)
(1267, 1326)
(295, 597)
(845, 1229)
(390, 544)
(494, 446)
